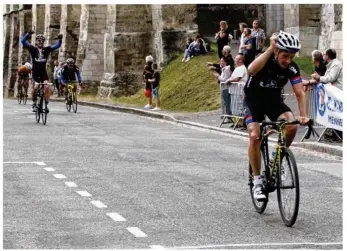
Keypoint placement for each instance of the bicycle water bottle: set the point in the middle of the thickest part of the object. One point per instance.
(271, 163)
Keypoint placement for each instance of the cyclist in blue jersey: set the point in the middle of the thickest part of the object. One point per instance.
(39, 55)
(68, 75)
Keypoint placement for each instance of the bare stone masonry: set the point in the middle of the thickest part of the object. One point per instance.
(110, 42)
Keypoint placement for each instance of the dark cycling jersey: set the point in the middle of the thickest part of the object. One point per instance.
(69, 74)
(271, 79)
(39, 58)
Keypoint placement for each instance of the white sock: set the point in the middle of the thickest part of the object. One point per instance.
(258, 180)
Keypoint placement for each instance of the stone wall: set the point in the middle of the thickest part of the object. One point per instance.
(274, 18)
(110, 42)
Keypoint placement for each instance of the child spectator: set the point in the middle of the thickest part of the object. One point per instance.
(155, 86)
(147, 74)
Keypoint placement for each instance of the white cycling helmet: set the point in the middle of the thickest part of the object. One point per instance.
(149, 59)
(288, 42)
(28, 66)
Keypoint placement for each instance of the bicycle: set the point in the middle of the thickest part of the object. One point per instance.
(71, 99)
(274, 174)
(40, 111)
(22, 94)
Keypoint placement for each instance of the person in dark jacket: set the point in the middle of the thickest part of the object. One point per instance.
(222, 37)
(226, 52)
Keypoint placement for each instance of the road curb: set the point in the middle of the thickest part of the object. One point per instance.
(314, 146)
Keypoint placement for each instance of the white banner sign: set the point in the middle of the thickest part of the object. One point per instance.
(329, 106)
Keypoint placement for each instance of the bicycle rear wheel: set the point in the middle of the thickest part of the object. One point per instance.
(259, 206)
(288, 188)
(74, 102)
(25, 98)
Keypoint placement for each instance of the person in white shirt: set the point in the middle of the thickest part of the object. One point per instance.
(238, 81)
(55, 75)
(225, 70)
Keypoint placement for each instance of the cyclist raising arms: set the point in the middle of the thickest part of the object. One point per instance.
(39, 56)
(269, 73)
(23, 73)
(68, 74)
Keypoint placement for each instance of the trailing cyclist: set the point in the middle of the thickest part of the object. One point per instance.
(68, 75)
(23, 73)
(39, 55)
(269, 73)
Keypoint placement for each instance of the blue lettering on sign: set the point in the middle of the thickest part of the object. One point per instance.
(335, 121)
(334, 105)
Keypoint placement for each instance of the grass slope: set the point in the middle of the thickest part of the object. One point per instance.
(191, 86)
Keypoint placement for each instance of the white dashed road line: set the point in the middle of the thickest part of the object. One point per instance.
(49, 169)
(25, 162)
(84, 193)
(40, 163)
(59, 176)
(116, 217)
(98, 204)
(137, 232)
(157, 247)
(70, 184)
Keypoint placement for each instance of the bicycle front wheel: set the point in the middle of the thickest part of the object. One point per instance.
(74, 102)
(38, 112)
(20, 95)
(68, 103)
(259, 206)
(288, 189)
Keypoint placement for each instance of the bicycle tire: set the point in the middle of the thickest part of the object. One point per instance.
(74, 102)
(20, 96)
(288, 156)
(25, 98)
(44, 115)
(259, 206)
(68, 104)
(38, 112)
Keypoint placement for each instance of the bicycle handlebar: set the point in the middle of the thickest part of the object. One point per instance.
(282, 123)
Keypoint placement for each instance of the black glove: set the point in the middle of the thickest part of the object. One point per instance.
(31, 32)
(60, 36)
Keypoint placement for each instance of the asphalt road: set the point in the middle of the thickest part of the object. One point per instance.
(101, 179)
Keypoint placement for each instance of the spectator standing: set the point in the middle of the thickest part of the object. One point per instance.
(259, 35)
(320, 67)
(147, 74)
(155, 86)
(55, 75)
(222, 37)
(229, 58)
(242, 27)
(225, 70)
(249, 47)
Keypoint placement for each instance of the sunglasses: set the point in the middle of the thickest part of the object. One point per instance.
(40, 41)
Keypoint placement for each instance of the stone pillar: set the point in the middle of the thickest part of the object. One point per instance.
(6, 45)
(25, 23)
(274, 18)
(309, 27)
(51, 31)
(70, 28)
(157, 20)
(13, 52)
(327, 26)
(38, 20)
(336, 39)
(90, 51)
(291, 20)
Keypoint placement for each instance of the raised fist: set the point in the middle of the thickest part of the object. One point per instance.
(31, 32)
(60, 36)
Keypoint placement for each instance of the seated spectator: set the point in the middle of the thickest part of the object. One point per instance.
(189, 41)
(249, 47)
(222, 37)
(242, 27)
(225, 70)
(193, 48)
(227, 55)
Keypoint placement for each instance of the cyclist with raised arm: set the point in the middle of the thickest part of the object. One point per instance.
(39, 55)
(269, 73)
(68, 75)
(23, 73)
